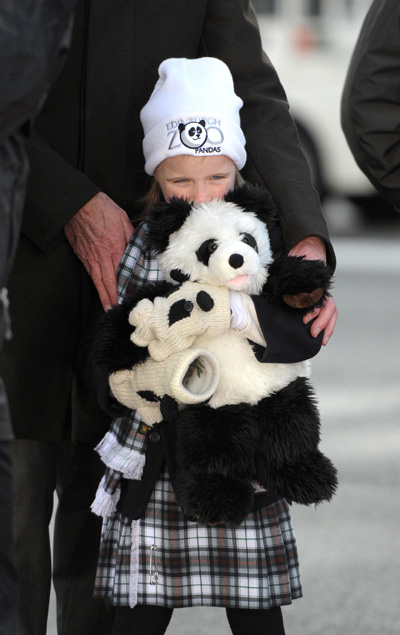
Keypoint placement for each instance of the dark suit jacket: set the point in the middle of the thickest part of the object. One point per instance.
(370, 106)
(90, 139)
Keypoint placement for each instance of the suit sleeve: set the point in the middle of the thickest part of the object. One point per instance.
(56, 191)
(370, 109)
(274, 156)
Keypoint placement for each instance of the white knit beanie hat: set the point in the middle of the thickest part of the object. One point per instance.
(193, 110)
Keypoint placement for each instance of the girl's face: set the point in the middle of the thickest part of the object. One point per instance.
(197, 179)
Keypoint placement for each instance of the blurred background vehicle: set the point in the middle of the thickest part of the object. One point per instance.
(310, 43)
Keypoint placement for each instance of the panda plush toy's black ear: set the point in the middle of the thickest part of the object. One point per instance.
(254, 199)
(163, 220)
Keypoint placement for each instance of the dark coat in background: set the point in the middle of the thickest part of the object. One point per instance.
(371, 99)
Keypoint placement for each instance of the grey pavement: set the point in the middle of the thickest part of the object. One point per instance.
(349, 549)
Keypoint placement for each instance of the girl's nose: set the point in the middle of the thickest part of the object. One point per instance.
(201, 194)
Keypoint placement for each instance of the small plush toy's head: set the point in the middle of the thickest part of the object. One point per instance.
(222, 242)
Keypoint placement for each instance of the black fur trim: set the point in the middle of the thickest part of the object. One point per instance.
(222, 440)
(163, 220)
(214, 498)
(252, 198)
(289, 425)
(179, 276)
(169, 408)
(294, 275)
(307, 482)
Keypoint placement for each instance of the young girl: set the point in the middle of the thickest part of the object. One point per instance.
(152, 559)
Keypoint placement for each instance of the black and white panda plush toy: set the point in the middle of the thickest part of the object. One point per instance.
(236, 425)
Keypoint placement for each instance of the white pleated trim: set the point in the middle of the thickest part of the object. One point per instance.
(134, 568)
(105, 503)
(128, 462)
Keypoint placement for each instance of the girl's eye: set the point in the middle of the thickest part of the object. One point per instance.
(217, 177)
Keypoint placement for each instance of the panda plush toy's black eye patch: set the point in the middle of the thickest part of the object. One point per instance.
(205, 250)
(250, 240)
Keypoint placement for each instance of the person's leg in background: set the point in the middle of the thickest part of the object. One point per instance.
(76, 543)
(34, 477)
(38, 368)
(8, 577)
(77, 529)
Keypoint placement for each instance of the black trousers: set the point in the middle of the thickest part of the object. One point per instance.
(154, 620)
(73, 471)
(8, 575)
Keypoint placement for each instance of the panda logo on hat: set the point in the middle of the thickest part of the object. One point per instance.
(193, 134)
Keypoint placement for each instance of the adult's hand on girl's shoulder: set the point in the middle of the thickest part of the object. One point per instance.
(98, 233)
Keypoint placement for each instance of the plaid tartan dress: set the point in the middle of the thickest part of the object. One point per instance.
(164, 559)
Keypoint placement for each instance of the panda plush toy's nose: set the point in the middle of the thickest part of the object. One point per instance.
(236, 261)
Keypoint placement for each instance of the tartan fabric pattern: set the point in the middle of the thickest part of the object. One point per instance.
(164, 559)
(138, 264)
(253, 566)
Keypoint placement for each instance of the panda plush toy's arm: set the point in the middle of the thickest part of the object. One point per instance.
(294, 287)
(299, 283)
